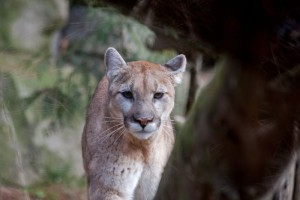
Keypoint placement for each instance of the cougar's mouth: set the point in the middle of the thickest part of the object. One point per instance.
(142, 129)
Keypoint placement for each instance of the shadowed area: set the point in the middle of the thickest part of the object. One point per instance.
(241, 138)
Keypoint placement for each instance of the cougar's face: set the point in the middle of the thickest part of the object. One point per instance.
(142, 95)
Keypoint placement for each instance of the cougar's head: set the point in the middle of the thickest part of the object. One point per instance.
(141, 93)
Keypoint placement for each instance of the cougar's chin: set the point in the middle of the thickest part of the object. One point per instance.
(141, 135)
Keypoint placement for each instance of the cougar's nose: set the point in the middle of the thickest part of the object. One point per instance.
(143, 121)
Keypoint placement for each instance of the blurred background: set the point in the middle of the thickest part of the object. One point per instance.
(51, 58)
(240, 140)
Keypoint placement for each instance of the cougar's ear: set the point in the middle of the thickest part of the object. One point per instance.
(177, 67)
(113, 62)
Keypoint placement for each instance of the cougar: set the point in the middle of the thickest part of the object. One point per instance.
(128, 135)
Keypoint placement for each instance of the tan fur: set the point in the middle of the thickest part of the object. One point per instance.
(119, 165)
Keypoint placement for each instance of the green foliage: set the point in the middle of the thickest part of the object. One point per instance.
(39, 193)
(6, 17)
(54, 174)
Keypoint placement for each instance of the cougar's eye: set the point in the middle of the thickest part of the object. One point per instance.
(158, 95)
(127, 94)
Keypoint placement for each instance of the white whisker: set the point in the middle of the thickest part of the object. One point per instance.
(106, 133)
(105, 137)
(111, 121)
(111, 127)
(166, 126)
(113, 117)
(169, 120)
(169, 130)
(121, 134)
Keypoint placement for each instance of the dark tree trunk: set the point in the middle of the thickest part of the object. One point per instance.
(241, 138)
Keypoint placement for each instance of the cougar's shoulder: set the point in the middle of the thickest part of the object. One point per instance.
(94, 113)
